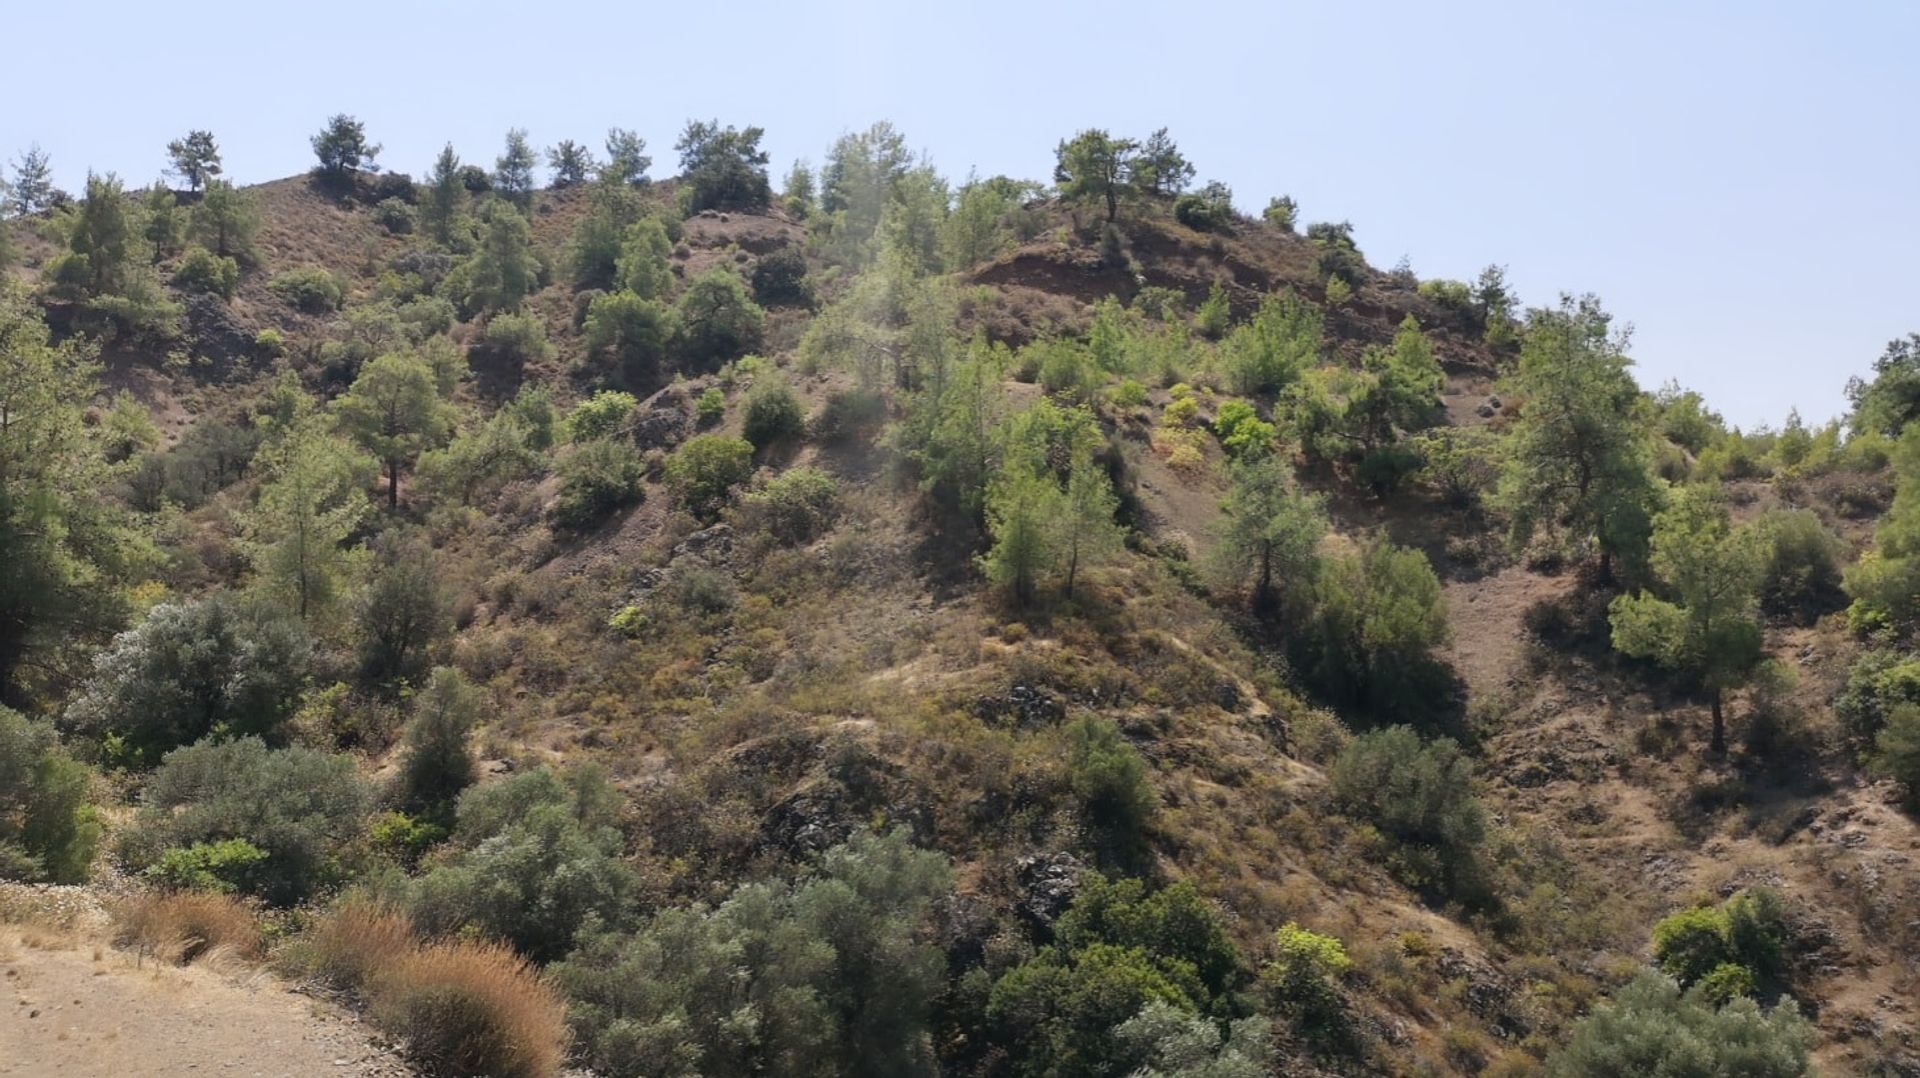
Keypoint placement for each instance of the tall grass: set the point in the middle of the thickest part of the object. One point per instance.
(188, 926)
(469, 1008)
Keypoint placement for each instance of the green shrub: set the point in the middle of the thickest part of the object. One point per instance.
(780, 278)
(1418, 794)
(48, 831)
(597, 480)
(1208, 210)
(1803, 564)
(1272, 350)
(600, 416)
(1378, 613)
(439, 764)
(217, 666)
(831, 974)
(1129, 393)
(1109, 778)
(1282, 212)
(307, 810)
(633, 331)
(1649, 1027)
(1878, 683)
(538, 856)
(849, 414)
(1175, 1044)
(309, 288)
(206, 866)
(1692, 943)
(718, 320)
(704, 470)
(203, 271)
(1387, 468)
(710, 406)
(394, 215)
(774, 413)
(517, 338)
(1241, 430)
(1896, 750)
(1742, 941)
(796, 507)
(1304, 977)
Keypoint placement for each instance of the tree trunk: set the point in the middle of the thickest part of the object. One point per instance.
(1719, 743)
(393, 484)
(1073, 567)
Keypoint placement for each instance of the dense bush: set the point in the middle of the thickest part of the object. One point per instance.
(1649, 1027)
(309, 288)
(600, 416)
(394, 215)
(774, 413)
(1109, 778)
(216, 666)
(47, 828)
(1803, 561)
(307, 810)
(1304, 977)
(633, 331)
(439, 764)
(796, 507)
(1208, 210)
(517, 338)
(1420, 795)
(703, 472)
(1896, 750)
(1879, 683)
(538, 856)
(824, 975)
(718, 319)
(472, 1009)
(1269, 352)
(206, 866)
(597, 480)
(401, 612)
(203, 271)
(1378, 615)
(780, 279)
(1241, 430)
(1174, 1044)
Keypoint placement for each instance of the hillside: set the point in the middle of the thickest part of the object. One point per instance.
(662, 576)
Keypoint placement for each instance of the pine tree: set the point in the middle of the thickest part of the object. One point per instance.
(1271, 531)
(312, 501)
(32, 186)
(394, 411)
(445, 195)
(513, 169)
(1085, 532)
(194, 158)
(1023, 506)
(225, 220)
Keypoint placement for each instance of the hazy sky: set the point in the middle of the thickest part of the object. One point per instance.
(1739, 180)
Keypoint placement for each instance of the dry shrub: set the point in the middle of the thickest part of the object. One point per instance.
(469, 1008)
(187, 926)
(348, 945)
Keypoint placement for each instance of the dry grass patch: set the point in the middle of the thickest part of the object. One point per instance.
(346, 947)
(188, 926)
(468, 1008)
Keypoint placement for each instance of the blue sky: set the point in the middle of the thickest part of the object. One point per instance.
(1739, 180)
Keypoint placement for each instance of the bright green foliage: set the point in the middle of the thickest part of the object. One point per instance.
(395, 412)
(1402, 390)
(538, 859)
(513, 169)
(1271, 351)
(106, 249)
(1109, 778)
(48, 831)
(633, 331)
(1709, 626)
(1651, 1028)
(1304, 977)
(216, 666)
(1215, 315)
(703, 472)
(1096, 167)
(221, 867)
(306, 809)
(1885, 583)
(600, 416)
(313, 499)
(1174, 1044)
(1418, 794)
(824, 975)
(1085, 533)
(1577, 458)
(503, 271)
(722, 168)
(594, 254)
(627, 161)
(478, 460)
(1378, 614)
(865, 176)
(224, 221)
(1888, 403)
(166, 223)
(31, 189)
(710, 406)
(1270, 532)
(445, 197)
(62, 548)
(343, 150)
(597, 480)
(1738, 944)
(1022, 504)
(308, 288)
(949, 428)
(1457, 463)
(1692, 943)
(203, 271)
(774, 412)
(1282, 212)
(1896, 750)
(718, 319)
(1682, 416)
(987, 216)
(645, 266)
(1242, 432)
(1160, 167)
(796, 507)
(439, 765)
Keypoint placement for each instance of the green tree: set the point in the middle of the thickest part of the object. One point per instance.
(439, 764)
(402, 610)
(645, 267)
(1896, 750)
(445, 195)
(107, 250)
(225, 220)
(1271, 532)
(1649, 1027)
(1891, 400)
(1096, 167)
(571, 163)
(63, 548)
(1420, 795)
(343, 150)
(797, 191)
(1379, 613)
(1305, 976)
(1110, 779)
(718, 318)
(1022, 506)
(1161, 167)
(194, 158)
(704, 471)
(216, 666)
(1708, 625)
(633, 331)
(627, 161)
(505, 270)
(1175, 1044)
(1085, 532)
(1403, 391)
(48, 831)
(313, 499)
(32, 188)
(1578, 456)
(723, 168)
(1271, 351)
(513, 169)
(1885, 583)
(395, 412)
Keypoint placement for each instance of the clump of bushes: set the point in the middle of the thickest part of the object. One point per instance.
(704, 470)
(600, 415)
(1727, 950)
(517, 338)
(795, 507)
(48, 830)
(773, 413)
(597, 480)
(780, 279)
(1802, 574)
(203, 271)
(394, 215)
(309, 288)
(1241, 430)
(1419, 795)
(1304, 978)
(1109, 778)
(1650, 1027)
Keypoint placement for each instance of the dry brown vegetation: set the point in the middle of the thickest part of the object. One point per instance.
(468, 1008)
